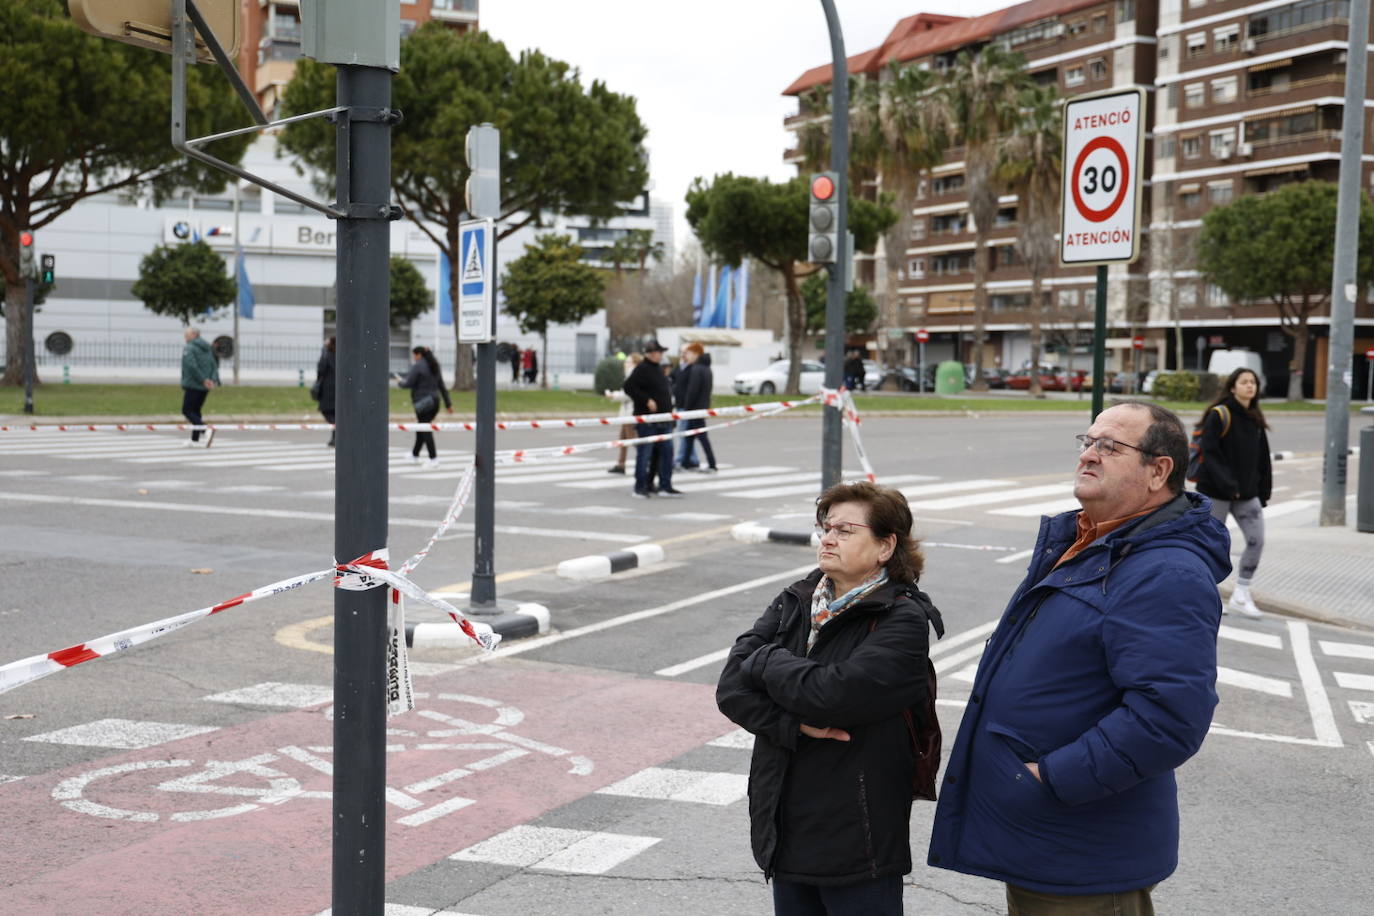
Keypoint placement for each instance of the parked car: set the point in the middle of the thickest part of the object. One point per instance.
(907, 378)
(996, 378)
(773, 379)
(873, 374)
(1148, 386)
(1050, 380)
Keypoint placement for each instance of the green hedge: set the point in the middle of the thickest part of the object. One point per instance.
(609, 375)
(1186, 386)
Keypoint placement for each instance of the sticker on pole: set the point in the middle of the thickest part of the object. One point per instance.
(476, 282)
(1104, 140)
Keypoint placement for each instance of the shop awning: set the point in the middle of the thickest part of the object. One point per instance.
(1272, 65)
(1277, 169)
(1189, 188)
(1281, 113)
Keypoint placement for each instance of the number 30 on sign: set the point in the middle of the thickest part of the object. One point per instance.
(1104, 137)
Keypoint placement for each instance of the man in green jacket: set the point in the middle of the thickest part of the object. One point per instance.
(199, 374)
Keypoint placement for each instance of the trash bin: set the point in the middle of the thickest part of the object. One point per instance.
(1364, 495)
(949, 377)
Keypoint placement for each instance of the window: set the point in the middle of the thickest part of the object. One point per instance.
(1190, 195)
(918, 229)
(916, 268)
(1090, 298)
(1191, 147)
(1214, 296)
(1219, 192)
(1173, 95)
(947, 184)
(1194, 95)
(1223, 90)
(1006, 216)
(1194, 4)
(1197, 44)
(1225, 38)
(1164, 49)
(407, 26)
(1100, 22)
(952, 223)
(1073, 76)
(1068, 298)
(1222, 143)
(1077, 27)
(1165, 147)
(1097, 68)
(1125, 10)
(1298, 16)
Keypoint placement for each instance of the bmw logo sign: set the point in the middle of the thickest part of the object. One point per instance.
(182, 230)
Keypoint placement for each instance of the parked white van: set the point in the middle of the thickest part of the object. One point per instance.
(1223, 362)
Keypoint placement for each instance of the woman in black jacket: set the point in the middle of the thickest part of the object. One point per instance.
(1236, 473)
(426, 384)
(324, 382)
(822, 680)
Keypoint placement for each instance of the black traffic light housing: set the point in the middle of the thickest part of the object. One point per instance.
(26, 266)
(823, 219)
(47, 268)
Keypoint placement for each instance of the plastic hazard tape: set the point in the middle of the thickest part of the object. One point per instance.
(466, 426)
(844, 400)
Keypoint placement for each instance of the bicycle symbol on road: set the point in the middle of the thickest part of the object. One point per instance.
(267, 779)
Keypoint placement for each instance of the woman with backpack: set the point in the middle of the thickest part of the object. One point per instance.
(323, 389)
(834, 683)
(426, 384)
(1235, 472)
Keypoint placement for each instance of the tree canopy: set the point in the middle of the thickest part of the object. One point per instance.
(859, 308)
(410, 298)
(1278, 248)
(184, 280)
(550, 284)
(86, 116)
(565, 148)
(736, 217)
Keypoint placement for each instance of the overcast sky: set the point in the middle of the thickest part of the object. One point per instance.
(707, 75)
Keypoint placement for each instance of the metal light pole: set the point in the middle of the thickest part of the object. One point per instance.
(1341, 342)
(238, 254)
(831, 427)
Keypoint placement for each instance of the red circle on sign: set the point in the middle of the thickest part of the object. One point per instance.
(922, 336)
(1110, 144)
(1369, 354)
(1138, 343)
(822, 187)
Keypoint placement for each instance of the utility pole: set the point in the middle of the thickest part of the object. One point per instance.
(831, 420)
(484, 202)
(1341, 342)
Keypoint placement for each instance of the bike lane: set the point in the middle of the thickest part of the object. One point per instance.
(238, 820)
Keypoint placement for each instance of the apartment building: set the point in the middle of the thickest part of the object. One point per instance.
(1240, 98)
(272, 37)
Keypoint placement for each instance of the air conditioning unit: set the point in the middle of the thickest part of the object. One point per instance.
(1341, 58)
(1226, 152)
(1246, 149)
(1249, 46)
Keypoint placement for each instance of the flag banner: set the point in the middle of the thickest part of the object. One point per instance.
(696, 297)
(720, 317)
(741, 295)
(445, 295)
(246, 298)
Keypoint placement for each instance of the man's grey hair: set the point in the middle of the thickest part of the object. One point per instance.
(192, 332)
(1166, 438)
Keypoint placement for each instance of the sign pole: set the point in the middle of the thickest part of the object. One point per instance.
(29, 355)
(1100, 342)
(832, 455)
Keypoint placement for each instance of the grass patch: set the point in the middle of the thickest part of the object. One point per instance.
(53, 400)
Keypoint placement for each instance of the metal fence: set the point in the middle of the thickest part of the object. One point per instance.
(153, 354)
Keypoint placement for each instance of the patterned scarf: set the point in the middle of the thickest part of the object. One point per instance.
(825, 607)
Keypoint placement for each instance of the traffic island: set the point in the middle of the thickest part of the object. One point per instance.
(596, 567)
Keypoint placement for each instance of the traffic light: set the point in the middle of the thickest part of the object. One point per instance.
(47, 268)
(823, 223)
(26, 254)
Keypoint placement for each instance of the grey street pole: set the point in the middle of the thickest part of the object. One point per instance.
(1341, 343)
(1100, 341)
(360, 500)
(238, 253)
(29, 368)
(484, 202)
(831, 428)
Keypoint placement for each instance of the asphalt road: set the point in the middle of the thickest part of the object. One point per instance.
(586, 771)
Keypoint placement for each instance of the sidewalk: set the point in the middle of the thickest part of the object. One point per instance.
(1324, 574)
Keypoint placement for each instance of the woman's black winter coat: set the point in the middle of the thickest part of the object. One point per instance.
(828, 812)
(1235, 465)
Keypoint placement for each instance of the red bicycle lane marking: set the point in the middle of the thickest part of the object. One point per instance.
(276, 859)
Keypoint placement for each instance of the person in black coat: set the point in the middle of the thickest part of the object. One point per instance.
(1236, 473)
(822, 680)
(426, 383)
(696, 395)
(650, 393)
(324, 380)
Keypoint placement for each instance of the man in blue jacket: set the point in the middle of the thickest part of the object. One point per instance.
(1098, 682)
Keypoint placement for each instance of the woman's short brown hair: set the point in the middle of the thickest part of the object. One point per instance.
(694, 347)
(888, 514)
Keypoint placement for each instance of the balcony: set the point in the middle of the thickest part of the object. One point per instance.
(454, 10)
(1301, 90)
(1316, 141)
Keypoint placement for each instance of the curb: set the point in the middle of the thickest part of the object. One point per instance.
(601, 566)
(1277, 606)
(524, 619)
(751, 533)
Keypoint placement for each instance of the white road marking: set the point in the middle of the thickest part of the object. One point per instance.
(1344, 679)
(1267, 640)
(946, 662)
(983, 499)
(398, 909)
(1248, 681)
(92, 478)
(1323, 719)
(628, 479)
(1053, 507)
(700, 661)
(1362, 710)
(436, 811)
(694, 517)
(126, 734)
(556, 849)
(1014, 557)
(739, 738)
(695, 786)
(4, 779)
(810, 486)
(1347, 649)
(271, 693)
(950, 642)
(952, 486)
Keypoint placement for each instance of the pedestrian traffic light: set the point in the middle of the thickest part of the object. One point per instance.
(823, 222)
(47, 268)
(26, 254)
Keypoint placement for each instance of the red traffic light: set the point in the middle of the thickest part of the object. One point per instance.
(822, 187)
(26, 239)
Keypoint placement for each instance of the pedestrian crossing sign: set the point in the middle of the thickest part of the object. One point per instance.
(476, 282)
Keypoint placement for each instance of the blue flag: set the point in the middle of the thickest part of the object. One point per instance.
(696, 297)
(246, 298)
(721, 316)
(741, 295)
(445, 297)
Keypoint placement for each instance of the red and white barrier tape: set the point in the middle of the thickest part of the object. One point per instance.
(465, 426)
(843, 399)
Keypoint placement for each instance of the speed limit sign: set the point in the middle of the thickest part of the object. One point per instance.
(1104, 138)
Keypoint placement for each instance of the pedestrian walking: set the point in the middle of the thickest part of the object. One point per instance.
(649, 393)
(678, 380)
(426, 384)
(514, 355)
(323, 389)
(825, 680)
(1236, 473)
(854, 371)
(530, 360)
(199, 376)
(1097, 684)
(697, 396)
(627, 430)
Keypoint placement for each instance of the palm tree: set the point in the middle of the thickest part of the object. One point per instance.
(977, 105)
(1030, 164)
(644, 247)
